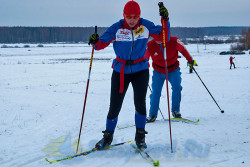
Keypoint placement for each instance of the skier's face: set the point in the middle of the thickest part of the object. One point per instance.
(132, 20)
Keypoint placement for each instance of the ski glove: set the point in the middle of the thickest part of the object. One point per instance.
(93, 39)
(192, 63)
(163, 11)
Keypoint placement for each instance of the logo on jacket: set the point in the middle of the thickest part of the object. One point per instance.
(156, 54)
(124, 32)
(123, 37)
(181, 43)
(139, 31)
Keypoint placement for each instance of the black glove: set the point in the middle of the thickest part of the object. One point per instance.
(163, 11)
(191, 63)
(93, 39)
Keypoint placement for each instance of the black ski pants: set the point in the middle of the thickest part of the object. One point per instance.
(139, 81)
(232, 64)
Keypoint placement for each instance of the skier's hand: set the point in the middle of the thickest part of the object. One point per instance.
(192, 63)
(93, 39)
(163, 11)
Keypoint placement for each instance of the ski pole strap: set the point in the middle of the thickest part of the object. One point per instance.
(127, 62)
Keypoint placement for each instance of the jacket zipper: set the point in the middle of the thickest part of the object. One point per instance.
(132, 47)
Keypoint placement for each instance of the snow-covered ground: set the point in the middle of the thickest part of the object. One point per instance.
(42, 93)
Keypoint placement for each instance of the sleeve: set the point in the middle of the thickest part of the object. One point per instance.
(107, 37)
(159, 35)
(147, 54)
(157, 32)
(181, 48)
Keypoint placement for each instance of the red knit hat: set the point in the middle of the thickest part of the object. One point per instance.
(132, 8)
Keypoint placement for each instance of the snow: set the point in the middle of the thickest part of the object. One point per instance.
(42, 95)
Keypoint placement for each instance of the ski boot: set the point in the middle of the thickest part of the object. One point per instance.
(151, 119)
(140, 138)
(105, 141)
(176, 114)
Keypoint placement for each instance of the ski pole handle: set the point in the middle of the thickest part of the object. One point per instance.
(160, 4)
(95, 29)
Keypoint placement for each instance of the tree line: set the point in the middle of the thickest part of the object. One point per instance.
(46, 34)
(244, 41)
(81, 34)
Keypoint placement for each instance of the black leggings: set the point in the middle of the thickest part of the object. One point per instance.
(231, 65)
(139, 82)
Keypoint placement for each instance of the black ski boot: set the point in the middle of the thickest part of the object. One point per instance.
(105, 141)
(151, 119)
(176, 114)
(140, 138)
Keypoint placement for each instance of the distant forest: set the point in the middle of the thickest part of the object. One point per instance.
(81, 34)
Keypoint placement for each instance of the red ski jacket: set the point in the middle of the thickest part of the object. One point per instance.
(231, 59)
(155, 51)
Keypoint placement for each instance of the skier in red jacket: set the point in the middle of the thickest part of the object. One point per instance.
(155, 51)
(231, 62)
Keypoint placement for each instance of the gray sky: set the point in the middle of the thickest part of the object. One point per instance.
(103, 13)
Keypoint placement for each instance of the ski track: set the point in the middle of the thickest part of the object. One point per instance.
(42, 94)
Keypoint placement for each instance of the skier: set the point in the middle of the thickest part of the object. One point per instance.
(231, 62)
(130, 36)
(155, 51)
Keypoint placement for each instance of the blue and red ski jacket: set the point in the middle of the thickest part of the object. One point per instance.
(130, 44)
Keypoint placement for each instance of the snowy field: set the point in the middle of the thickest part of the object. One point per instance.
(41, 99)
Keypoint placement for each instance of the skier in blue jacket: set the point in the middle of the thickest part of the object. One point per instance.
(130, 36)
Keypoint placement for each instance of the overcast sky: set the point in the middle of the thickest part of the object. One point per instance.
(103, 13)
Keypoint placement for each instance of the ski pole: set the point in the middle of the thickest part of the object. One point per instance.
(222, 111)
(86, 93)
(166, 72)
(159, 107)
